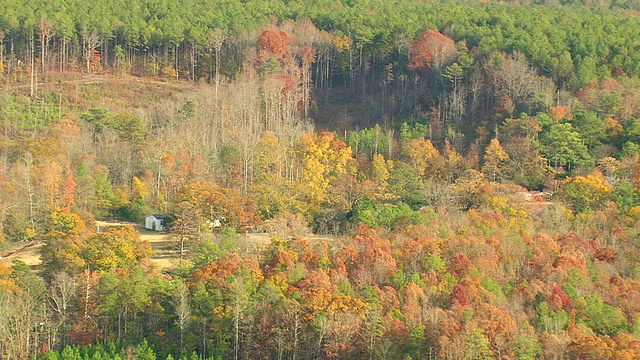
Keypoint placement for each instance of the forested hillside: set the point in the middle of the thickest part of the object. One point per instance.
(474, 169)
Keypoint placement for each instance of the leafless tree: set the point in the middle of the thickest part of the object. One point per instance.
(62, 292)
(215, 41)
(182, 309)
(46, 32)
(90, 42)
(240, 303)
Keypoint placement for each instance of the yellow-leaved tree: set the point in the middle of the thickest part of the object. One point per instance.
(494, 159)
(271, 190)
(424, 158)
(321, 159)
(586, 193)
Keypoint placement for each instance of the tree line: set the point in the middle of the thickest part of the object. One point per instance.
(573, 44)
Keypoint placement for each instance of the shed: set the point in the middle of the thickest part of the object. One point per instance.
(154, 222)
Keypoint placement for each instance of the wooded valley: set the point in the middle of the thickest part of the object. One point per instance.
(438, 179)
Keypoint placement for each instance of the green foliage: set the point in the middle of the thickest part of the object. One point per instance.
(491, 285)
(130, 128)
(414, 131)
(526, 347)
(574, 281)
(345, 288)
(590, 127)
(189, 110)
(100, 118)
(564, 147)
(376, 215)
(70, 353)
(207, 252)
(105, 196)
(603, 319)
(435, 263)
(417, 339)
(134, 211)
(296, 274)
(467, 315)
(478, 346)
(369, 142)
(625, 195)
(635, 329)
(543, 120)
(27, 280)
(228, 238)
(144, 352)
(271, 67)
(550, 321)
(113, 351)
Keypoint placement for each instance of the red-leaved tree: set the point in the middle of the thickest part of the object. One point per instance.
(433, 50)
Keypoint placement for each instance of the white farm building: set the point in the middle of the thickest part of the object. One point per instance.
(154, 222)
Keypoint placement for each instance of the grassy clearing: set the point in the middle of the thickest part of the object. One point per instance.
(165, 250)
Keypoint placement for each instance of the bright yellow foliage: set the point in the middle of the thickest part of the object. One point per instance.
(586, 193)
(424, 157)
(494, 158)
(322, 159)
(140, 189)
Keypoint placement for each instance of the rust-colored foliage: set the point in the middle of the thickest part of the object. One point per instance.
(219, 274)
(216, 202)
(459, 296)
(85, 329)
(413, 299)
(605, 254)
(569, 260)
(274, 43)
(460, 265)
(559, 298)
(316, 290)
(613, 127)
(585, 345)
(433, 50)
(96, 59)
(374, 255)
(557, 113)
(67, 197)
(308, 55)
(498, 325)
(389, 299)
(627, 347)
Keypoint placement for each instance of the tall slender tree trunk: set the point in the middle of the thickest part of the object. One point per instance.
(12, 56)
(43, 42)
(236, 324)
(30, 191)
(1, 51)
(33, 65)
(176, 62)
(63, 53)
(218, 51)
(193, 63)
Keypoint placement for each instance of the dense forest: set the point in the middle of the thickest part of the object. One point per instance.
(438, 180)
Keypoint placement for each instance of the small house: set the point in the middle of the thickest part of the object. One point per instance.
(154, 222)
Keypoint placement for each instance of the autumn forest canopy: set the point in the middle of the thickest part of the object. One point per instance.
(432, 180)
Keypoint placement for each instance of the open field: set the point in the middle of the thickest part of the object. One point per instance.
(165, 249)
(29, 252)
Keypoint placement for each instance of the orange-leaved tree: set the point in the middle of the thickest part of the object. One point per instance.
(433, 50)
